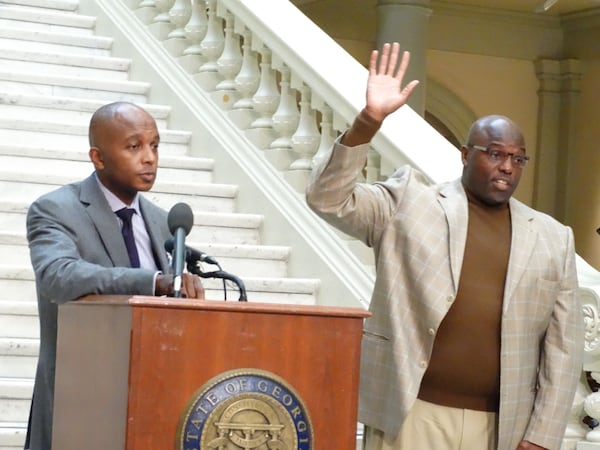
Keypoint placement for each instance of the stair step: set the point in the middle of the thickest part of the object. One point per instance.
(26, 82)
(61, 5)
(15, 245)
(17, 284)
(62, 110)
(81, 169)
(212, 228)
(12, 435)
(58, 68)
(54, 126)
(298, 291)
(15, 400)
(166, 162)
(43, 19)
(50, 41)
(19, 319)
(260, 288)
(18, 357)
(171, 144)
(208, 197)
(69, 108)
(246, 259)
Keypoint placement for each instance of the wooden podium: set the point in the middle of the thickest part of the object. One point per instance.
(128, 369)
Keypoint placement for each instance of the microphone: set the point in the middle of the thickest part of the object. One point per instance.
(192, 256)
(180, 221)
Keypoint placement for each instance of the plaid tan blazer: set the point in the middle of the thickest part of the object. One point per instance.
(418, 233)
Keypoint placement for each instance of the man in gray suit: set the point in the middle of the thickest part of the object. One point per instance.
(76, 244)
(476, 336)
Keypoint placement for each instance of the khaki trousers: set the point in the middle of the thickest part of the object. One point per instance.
(434, 427)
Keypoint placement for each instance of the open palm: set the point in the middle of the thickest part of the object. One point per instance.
(384, 85)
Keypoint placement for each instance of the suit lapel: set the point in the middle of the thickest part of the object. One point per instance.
(454, 202)
(104, 220)
(523, 239)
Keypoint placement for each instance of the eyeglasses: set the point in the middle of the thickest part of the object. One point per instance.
(497, 156)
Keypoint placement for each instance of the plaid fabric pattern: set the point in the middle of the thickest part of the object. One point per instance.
(418, 234)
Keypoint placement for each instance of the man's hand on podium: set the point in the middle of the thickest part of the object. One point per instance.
(191, 286)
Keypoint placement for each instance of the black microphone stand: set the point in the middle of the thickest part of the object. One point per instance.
(193, 267)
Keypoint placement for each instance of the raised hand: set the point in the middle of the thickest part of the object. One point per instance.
(384, 85)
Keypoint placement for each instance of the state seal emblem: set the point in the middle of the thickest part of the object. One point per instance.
(247, 409)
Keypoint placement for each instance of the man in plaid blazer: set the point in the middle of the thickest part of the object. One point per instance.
(475, 340)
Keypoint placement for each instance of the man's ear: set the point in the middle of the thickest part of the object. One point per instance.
(96, 158)
(464, 151)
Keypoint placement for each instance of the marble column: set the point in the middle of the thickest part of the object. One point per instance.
(406, 21)
(558, 97)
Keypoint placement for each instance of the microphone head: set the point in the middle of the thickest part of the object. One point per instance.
(180, 216)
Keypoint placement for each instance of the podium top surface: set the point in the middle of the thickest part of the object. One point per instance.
(220, 305)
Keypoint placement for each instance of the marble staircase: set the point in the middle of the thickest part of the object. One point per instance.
(55, 71)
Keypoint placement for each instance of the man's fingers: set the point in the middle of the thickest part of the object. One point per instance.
(383, 59)
(409, 88)
(386, 61)
(391, 67)
(373, 62)
(403, 65)
(192, 286)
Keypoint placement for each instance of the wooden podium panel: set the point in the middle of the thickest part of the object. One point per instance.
(145, 357)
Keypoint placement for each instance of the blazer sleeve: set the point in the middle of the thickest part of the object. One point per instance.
(70, 259)
(561, 359)
(358, 209)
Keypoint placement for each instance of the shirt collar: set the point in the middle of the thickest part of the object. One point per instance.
(115, 202)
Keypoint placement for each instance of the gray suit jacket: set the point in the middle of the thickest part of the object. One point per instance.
(418, 233)
(77, 249)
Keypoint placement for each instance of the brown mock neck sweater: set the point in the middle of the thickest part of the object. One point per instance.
(464, 370)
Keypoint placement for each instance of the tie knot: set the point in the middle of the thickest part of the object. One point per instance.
(125, 214)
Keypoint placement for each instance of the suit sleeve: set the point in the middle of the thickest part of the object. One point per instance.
(560, 361)
(69, 258)
(358, 209)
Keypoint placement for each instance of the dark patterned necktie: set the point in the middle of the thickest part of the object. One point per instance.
(127, 231)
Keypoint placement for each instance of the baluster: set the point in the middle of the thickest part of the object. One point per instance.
(285, 122)
(327, 136)
(195, 30)
(212, 47)
(161, 24)
(228, 65)
(179, 15)
(145, 11)
(246, 83)
(265, 102)
(305, 142)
